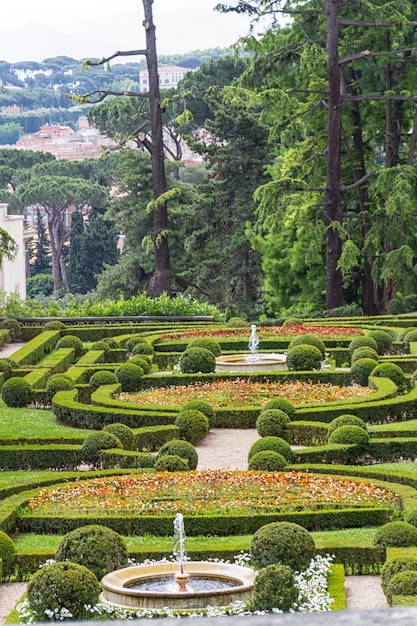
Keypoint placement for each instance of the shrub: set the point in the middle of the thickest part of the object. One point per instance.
(71, 341)
(16, 392)
(39, 285)
(100, 345)
(134, 339)
(402, 584)
(143, 347)
(237, 322)
(99, 548)
(129, 376)
(383, 340)
(274, 588)
(123, 433)
(355, 435)
(203, 407)
(62, 585)
(12, 325)
(410, 303)
(409, 337)
(54, 325)
(364, 353)
(208, 343)
(102, 377)
(272, 422)
(181, 448)
(7, 554)
(6, 368)
(393, 372)
(391, 568)
(346, 420)
(111, 342)
(310, 340)
(283, 405)
(94, 443)
(304, 357)
(396, 534)
(361, 370)
(267, 461)
(171, 463)
(282, 542)
(56, 383)
(363, 341)
(195, 360)
(139, 359)
(275, 444)
(193, 425)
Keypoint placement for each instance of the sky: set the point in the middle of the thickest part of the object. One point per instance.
(32, 30)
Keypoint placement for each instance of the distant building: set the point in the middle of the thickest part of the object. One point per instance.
(13, 273)
(169, 76)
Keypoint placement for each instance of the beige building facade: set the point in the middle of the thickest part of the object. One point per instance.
(13, 273)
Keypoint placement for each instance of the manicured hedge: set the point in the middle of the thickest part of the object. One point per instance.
(37, 348)
(39, 457)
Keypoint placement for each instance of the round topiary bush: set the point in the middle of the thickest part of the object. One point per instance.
(402, 584)
(71, 341)
(267, 461)
(346, 420)
(181, 448)
(362, 341)
(143, 347)
(62, 585)
(283, 405)
(54, 325)
(383, 339)
(16, 392)
(208, 343)
(274, 588)
(94, 443)
(364, 353)
(132, 340)
(97, 547)
(276, 444)
(282, 542)
(304, 357)
(58, 382)
(12, 325)
(203, 407)
(409, 337)
(129, 376)
(139, 359)
(6, 367)
(237, 322)
(396, 534)
(100, 345)
(355, 435)
(193, 425)
(102, 377)
(391, 568)
(310, 340)
(393, 372)
(272, 423)
(111, 342)
(123, 433)
(171, 463)
(195, 360)
(7, 554)
(361, 370)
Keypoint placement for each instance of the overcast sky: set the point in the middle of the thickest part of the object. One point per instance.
(36, 29)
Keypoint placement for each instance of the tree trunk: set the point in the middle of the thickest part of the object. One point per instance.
(54, 255)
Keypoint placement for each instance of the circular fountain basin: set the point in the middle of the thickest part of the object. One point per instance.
(153, 586)
(247, 363)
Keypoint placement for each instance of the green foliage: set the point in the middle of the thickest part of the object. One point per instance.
(310, 340)
(129, 376)
(283, 405)
(94, 443)
(123, 433)
(102, 377)
(16, 392)
(195, 360)
(208, 343)
(100, 345)
(193, 425)
(304, 357)
(54, 325)
(7, 554)
(12, 325)
(402, 584)
(267, 461)
(274, 588)
(184, 449)
(58, 382)
(272, 422)
(393, 372)
(364, 353)
(275, 444)
(395, 566)
(39, 285)
(363, 341)
(349, 434)
(361, 370)
(396, 534)
(346, 420)
(143, 363)
(237, 322)
(171, 463)
(383, 339)
(97, 547)
(62, 585)
(282, 542)
(71, 341)
(203, 407)
(6, 368)
(143, 347)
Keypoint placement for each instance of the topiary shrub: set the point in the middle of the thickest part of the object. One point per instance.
(58, 382)
(171, 463)
(346, 420)
(132, 340)
(100, 345)
(410, 303)
(62, 585)
(193, 425)
(364, 353)
(54, 325)
(310, 340)
(97, 547)
(304, 357)
(181, 448)
(274, 588)
(391, 568)
(7, 554)
(203, 407)
(102, 377)
(402, 584)
(267, 461)
(409, 337)
(393, 372)
(94, 443)
(6, 367)
(396, 534)
(123, 433)
(111, 342)
(282, 542)
(139, 359)
(283, 405)
(275, 444)
(129, 376)
(195, 360)
(361, 370)
(272, 422)
(383, 339)
(208, 343)
(12, 325)
(362, 341)
(237, 322)
(16, 392)
(355, 435)
(143, 347)
(71, 341)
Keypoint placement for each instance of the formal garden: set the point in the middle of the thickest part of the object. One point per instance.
(100, 419)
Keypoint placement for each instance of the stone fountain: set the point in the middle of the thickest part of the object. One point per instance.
(178, 585)
(254, 361)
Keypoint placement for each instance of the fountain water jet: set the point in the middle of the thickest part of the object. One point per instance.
(253, 362)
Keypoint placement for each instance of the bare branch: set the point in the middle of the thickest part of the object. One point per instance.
(357, 183)
(119, 53)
